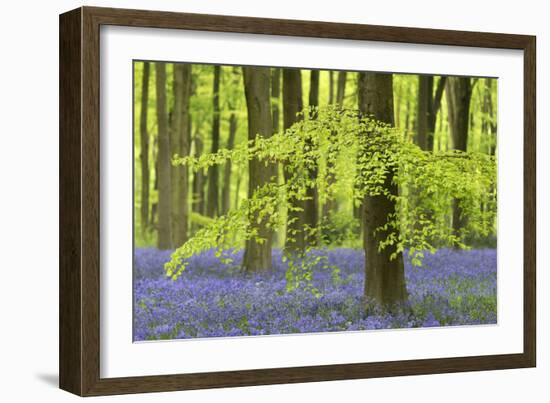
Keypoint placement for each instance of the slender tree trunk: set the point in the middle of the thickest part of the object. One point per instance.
(384, 277)
(341, 90)
(227, 168)
(180, 145)
(174, 122)
(144, 151)
(314, 90)
(292, 104)
(275, 95)
(164, 237)
(226, 192)
(432, 112)
(424, 103)
(459, 93)
(330, 204)
(275, 112)
(154, 205)
(489, 126)
(311, 204)
(331, 87)
(257, 255)
(199, 205)
(357, 208)
(212, 207)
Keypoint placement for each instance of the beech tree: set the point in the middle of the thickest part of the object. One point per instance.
(226, 191)
(212, 206)
(271, 177)
(199, 180)
(384, 273)
(180, 145)
(144, 148)
(295, 240)
(459, 93)
(257, 254)
(164, 166)
(427, 108)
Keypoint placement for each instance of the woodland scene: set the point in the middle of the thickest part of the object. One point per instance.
(275, 200)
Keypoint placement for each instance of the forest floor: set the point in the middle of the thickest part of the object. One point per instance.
(212, 299)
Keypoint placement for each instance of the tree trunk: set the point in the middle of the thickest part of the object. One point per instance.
(275, 112)
(164, 237)
(227, 168)
(341, 89)
(459, 93)
(275, 95)
(311, 204)
(257, 255)
(331, 204)
(331, 87)
(424, 103)
(292, 104)
(384, 277)
(433, 110)
(180, 146)
(427, 108)
(488, 126)
(144, 151)
(314, 89)
(212, 207)
(198, 204)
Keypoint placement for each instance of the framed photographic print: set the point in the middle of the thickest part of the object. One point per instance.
(249, 201)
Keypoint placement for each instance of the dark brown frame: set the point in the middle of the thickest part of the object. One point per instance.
(79, 201)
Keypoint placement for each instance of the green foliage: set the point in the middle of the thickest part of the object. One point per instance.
(358, 153)
(340, 229)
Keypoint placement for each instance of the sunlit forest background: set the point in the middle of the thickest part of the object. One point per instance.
(221, 122)
(183, 112)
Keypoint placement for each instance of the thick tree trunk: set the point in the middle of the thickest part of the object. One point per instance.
(384, 277)
(459, 93)
(293, 104)
(257, 255)
(144, 151)
(212, 207)
(180, 145)
(164, 237)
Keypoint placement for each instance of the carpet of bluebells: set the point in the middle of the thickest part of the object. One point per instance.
(212, 299)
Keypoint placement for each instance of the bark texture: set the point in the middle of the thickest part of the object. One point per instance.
(144, 151)
(293, 104)
(164, 179)
(180, 137)
(226, 193)
(257, 255)
(459, 94)
(212, 207)
(199, 179)
(384, 277)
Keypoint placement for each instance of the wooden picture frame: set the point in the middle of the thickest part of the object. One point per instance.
(79, 279)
